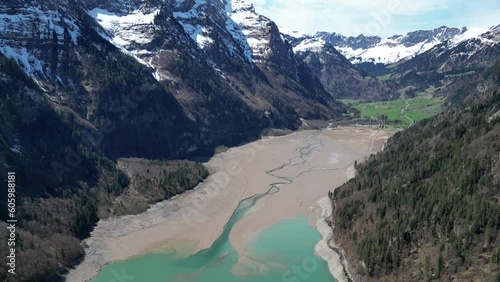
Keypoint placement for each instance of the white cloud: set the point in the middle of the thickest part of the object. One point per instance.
(487, 19)
(386, 17)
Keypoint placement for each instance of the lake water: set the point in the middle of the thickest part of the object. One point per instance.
(282, 252)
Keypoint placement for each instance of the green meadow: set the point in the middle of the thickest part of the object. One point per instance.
(420, 107)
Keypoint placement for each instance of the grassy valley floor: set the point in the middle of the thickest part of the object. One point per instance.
(400, 113)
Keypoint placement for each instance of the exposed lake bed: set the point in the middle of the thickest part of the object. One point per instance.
(221, 229)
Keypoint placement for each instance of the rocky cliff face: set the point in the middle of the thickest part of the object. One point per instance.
(232, 29)
(267, 45)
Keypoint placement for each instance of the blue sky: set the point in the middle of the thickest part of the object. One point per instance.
(378, 17)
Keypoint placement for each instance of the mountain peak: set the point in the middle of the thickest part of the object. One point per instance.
(240, 6)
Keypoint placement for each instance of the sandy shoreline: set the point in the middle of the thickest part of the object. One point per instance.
(311, 163)
(323, 249)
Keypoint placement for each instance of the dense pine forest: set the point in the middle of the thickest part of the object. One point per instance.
(428, 206)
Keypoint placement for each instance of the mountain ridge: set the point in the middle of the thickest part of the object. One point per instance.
(375, 49)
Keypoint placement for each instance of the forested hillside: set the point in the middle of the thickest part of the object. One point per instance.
(428, 206)
(64, 184)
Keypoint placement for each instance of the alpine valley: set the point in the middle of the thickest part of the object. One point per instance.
(109, 107)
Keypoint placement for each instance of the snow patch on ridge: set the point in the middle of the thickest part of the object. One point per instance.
(200, 34)
(124, 28)
(469, 34)
(31, 65)
(310, 44)
(17, 29)
(385, 53)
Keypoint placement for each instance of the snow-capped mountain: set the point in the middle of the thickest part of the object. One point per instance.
(338, 75)
(235, 26)
(423, 58)
(212, 60)
(449, 61)
(263, 37)
(246, 49)
(458, 54)
(219, 29)
(374, 49)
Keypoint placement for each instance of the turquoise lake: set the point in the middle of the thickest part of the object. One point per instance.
(282, 252)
